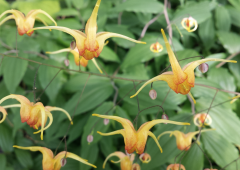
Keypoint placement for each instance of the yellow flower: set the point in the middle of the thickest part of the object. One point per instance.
(145, 158)
(34, 114)
(156, 47)
(125, 160)
(51, 162)
(83, 62)
(183, 140)
(90, 43)
(25, 23)
(180, 80)
(136, 140)
(175, 167)
(202, 119)
(190, 24)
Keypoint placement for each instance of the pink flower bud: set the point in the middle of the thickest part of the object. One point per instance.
(153, 94)
(63, 162)
(106, 121)
(66, 62)
(73, 45)
(164, 116)
(203, 67)
(89, 138)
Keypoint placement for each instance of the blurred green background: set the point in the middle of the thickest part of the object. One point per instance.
(217, 36)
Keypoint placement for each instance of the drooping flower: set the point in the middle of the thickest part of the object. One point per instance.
(90, 43)
(180, 80)
(202, 119)
(51, 162)
(190, 24)
(176, 167)
(78, 59)
(136, 140)
(125, 160)
(136, 166)
(145, 158)
(183, 140)
(156, 47)
(34, 114)
(25, 23)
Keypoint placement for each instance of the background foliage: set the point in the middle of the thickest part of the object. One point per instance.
(217, 36)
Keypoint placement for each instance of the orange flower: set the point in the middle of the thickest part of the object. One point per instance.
(156, 47)
(175, 167)
(179, 80)
(202, 119)
(83, 62)
(190, 24)
(183, 140)
(90, 43)
(34, 114)
(145, 158)
(136, 140)
(126, 161)
(25, 23)
(51, 162)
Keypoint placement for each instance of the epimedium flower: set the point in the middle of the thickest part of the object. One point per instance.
(136, 166)
(125, 160)
(183, 140)
(190, 24)
(136, 140)
(156, 47)
(145, 158)
(78, 59)
(25, 23)
(51, 162)
(90, 43)
(180, 80)
(176, 167)
(202, 119)
(34, 114)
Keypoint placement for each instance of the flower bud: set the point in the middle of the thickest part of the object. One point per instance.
(153, 94)
(190, 24)
(202, 119)
(164, 116)
(73, 45)
(63, 162)
(89, 138)
(136, 166)
(106, 121)
(145, 158)
(156, 47)
(66, 62)
(203, 67)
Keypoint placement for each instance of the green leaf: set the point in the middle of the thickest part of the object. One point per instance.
(185, 54)
(71, 164)
(24, 157)
(97, 124)
(91, 98)
(222, 77)
(234, 14)
(13, 71)
(80, 4)
(121, 29)
(67, 12)
(219, 149)
(223, 19)
(235, 69)
(207, 33)
(70, 23)
(4, 6)
(89, 152)
(6, 140)
(45, 76)
(230, 41)
(109, 55)
(235, 3)
(150, 6)
(3, 161)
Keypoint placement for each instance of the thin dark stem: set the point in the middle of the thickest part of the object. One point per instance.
(205, 156)
(168, 21)
(163, 103)
(230, 163)
(34, 83)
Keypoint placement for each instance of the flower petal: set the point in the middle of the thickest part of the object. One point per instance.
(32, 15)
(49, 124)
(95, 63)
(4, 112)
(59, 51)
(7, 18)
(120, 155)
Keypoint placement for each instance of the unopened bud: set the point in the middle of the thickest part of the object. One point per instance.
(164, 116)
(63, 162)
(153, 94)
(73, 45)
(89, 138)
(156, 47)
(136, 166)
(145, 158)
(106, 121)
(203, 67)
(66, 62)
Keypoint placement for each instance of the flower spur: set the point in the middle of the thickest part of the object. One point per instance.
(180, 80)
(34, 114)
(136, 140)
(25, 23)
(90, 43)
